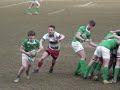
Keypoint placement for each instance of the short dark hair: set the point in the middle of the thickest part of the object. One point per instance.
(92, 22)
(52, 26)
(31, 33)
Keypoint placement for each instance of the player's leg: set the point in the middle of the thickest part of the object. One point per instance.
(52, 65)
(40, 62)
(37, 8)
(106, 60)
(29, 8)
(97, 54)
(112, 64)
(93, 60)
(93, 68)
(105, 71)
(27, 71)
(117, 67)
(23, 67)
(54, 54)
(117, 70)
(82, 61)
(97, 70)
(78, 48)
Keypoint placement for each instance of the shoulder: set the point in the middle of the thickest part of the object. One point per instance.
(83, 28)
(57, 34)
(25, 40)
(47, 34)
(36, 40)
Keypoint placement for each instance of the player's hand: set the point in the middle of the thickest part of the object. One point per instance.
(58, 40)
(87, 40)
(41, 48)
(111, 37)
(48, 39)
(112, 31)
(29, 54)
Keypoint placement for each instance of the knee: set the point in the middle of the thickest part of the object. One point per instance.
(24, 67)
(83, 58)
(41, 60)
(38, 5)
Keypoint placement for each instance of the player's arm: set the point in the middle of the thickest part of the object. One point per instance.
(118, 42)
(39, 49)
(78, 36)
(22, 50)
(114, 36)
(45, 37)
(41, 44)
(115, 31)
(91, 43)
(61, 37)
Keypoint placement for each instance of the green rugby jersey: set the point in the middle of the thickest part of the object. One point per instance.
(109, 43)
(85, 34)
(30, 46)
(109, 34)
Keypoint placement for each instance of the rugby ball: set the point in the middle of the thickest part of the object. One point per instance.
(33, 52)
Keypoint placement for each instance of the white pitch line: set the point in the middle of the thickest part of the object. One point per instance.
(56, 11)
(14, 4)
(86, 4)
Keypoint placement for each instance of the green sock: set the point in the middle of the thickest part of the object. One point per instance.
(87, 71)
(97, 70)
(82, 63)
(116, 73)
(93, 67)
(36, 10)
(78, 68)
(105, 73)
(28, 10)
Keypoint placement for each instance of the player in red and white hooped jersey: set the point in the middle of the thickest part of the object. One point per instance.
(53, 49)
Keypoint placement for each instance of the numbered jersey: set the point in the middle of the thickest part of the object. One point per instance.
(85, 34)
(53, 40)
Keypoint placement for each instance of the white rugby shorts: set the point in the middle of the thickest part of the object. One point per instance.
(27, 59)
(103, 52)
(77, 46)
(35, 2)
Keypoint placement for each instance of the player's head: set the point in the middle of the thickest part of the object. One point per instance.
(31, 35)
(51, 29)
(91, 24)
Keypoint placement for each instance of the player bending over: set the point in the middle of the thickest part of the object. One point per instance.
(103, 51)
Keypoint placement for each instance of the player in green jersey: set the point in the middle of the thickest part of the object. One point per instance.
(83, 35)
(117, 66)
(34, 2)
(96, 67)
(103, 52)
(27, 58)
